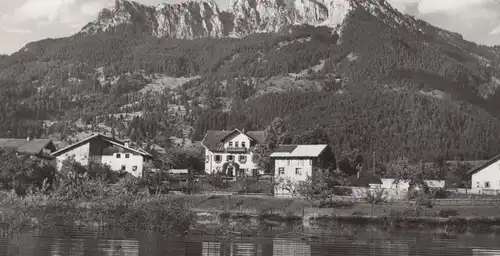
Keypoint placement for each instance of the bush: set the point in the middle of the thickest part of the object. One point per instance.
(440, 193)
(23, 173)
(341, 191)
(445, 213)
(217, 180)
(335, 204)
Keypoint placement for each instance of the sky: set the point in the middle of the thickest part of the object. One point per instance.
(24, 21)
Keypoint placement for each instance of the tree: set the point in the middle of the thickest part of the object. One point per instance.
(275, 135)
(216, 180)
(22, 172)
(458, 176)
(416, 176)
(351, 162)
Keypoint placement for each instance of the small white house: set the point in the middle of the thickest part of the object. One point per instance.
(487, 176)
(295, 163)
(119, 156)
(390, 183)
(230, 152)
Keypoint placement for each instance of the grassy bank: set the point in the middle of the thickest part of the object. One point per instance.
(145, 213)
(176, 214)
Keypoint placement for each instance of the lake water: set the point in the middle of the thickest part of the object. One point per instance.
(69, 241)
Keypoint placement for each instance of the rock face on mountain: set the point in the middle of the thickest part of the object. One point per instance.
(196, 19)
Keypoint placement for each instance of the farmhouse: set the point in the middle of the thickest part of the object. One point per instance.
(105, 150)
(230, 152)
(295, 163)
(486, 177)
(40, 148)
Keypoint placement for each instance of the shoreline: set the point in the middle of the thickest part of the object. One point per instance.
(123, 211)
(454, 222)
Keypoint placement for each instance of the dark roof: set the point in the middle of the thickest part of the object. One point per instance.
(484, 165)
(34, 146)
(213, 139)
(104, 138)
(258, 136)
(364, 180)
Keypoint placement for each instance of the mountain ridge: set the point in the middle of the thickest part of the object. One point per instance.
(195, 19)
(388, 82)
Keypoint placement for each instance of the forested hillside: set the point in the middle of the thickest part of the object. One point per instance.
(420, 93)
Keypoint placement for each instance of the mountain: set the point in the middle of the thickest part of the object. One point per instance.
(358, 73)
(190, 20)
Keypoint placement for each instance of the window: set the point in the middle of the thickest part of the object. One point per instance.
(229, 158)
(243, 144)
(298, 171)
(127, 155)
(118, 155)
(288, 162)
(230, 144)
(477, 184)
(487, 184)
(134, 168)
(218, 158)
(281, 171)
(235, 144)
(124, 167)
(243, 158)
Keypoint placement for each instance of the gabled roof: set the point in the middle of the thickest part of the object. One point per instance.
(213, 139)
(299, 150)
(484, 165)
(34, 146)
(104, 138)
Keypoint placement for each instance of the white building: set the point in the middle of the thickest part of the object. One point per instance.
(231, 150)
(486, 177)
(404, 185)
(105, 150)
(295, 163)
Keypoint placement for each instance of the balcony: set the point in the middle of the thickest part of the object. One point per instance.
(236, 150)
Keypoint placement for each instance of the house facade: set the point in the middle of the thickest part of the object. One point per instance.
(486, 177)
(42, 149)
(295, 163)
(100, 149)
(230, 152)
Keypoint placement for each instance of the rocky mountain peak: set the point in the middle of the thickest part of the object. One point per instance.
(194, 19)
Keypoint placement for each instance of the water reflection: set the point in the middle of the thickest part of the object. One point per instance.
(70, 242)
(483, 252)
(119, 247)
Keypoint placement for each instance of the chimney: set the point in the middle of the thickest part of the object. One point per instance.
(243, 130)
(28, 138)
(127, 144)
(357, 175)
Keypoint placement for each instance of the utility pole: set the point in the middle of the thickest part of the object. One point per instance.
(373, 158)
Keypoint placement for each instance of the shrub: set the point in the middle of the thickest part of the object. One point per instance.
(440, 193)
(217, 180)
(341, 191)
(335, 204)
(445, 213)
